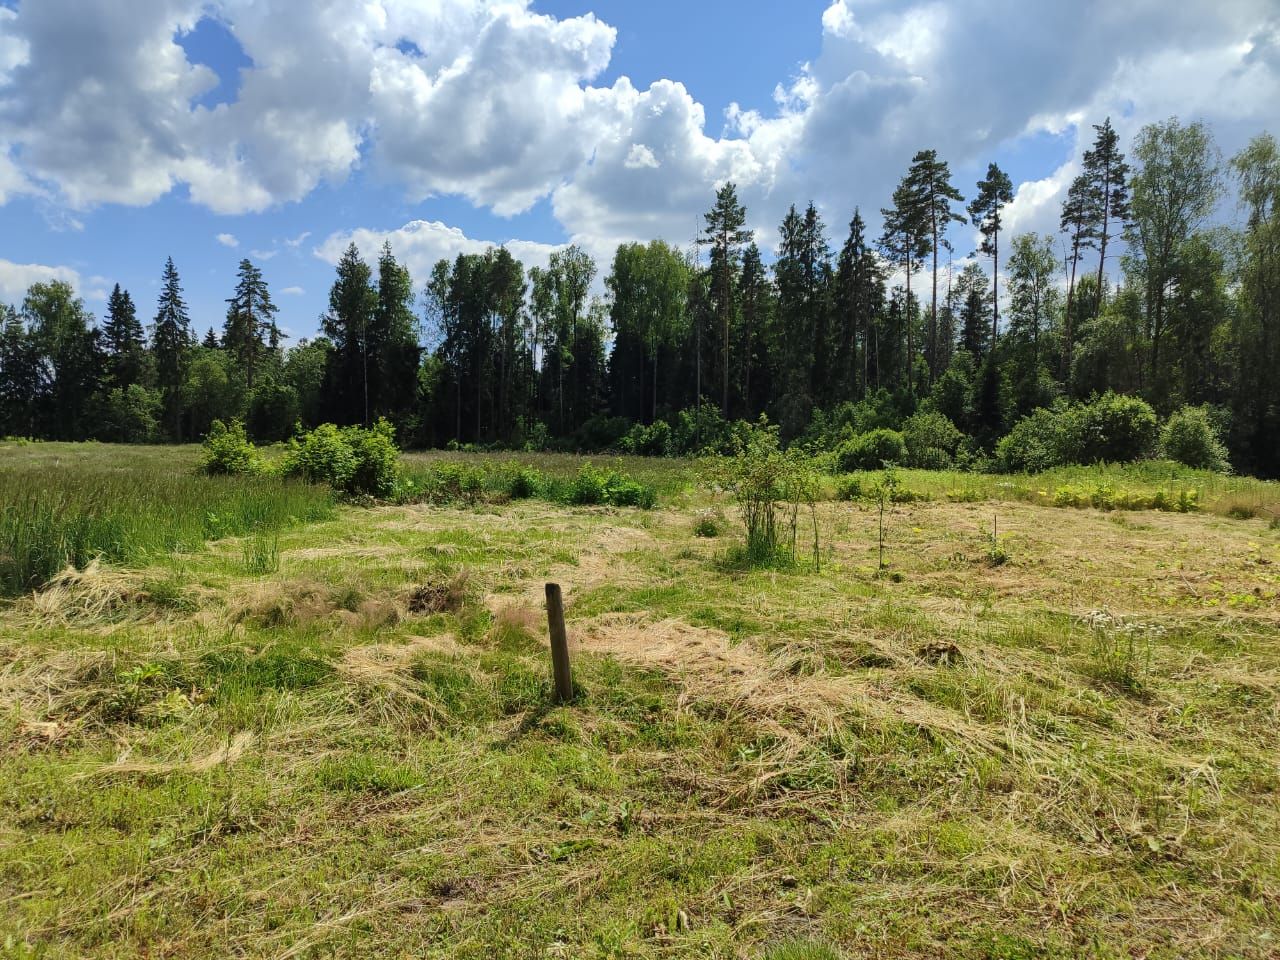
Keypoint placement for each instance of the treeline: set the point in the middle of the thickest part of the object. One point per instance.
(828, 341)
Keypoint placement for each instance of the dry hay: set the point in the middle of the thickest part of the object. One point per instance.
(224, 754)
(63, 684)
(380, 679)
(96, 593)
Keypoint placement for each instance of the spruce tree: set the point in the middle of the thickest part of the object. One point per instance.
(986, 213)
(171, 344)
(123, 340)
(352, 303)
(250, 317)
(395, 336)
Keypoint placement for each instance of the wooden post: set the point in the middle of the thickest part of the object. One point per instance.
(559, 644)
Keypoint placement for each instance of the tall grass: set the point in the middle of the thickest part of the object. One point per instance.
(52, 516)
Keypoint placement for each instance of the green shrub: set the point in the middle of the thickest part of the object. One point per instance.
(871, 451)
(525, 483)
(594, 487)
(352, 460)
(227, 450)
(770, 485)
(653, 440)
(1033, 445)
(1111, 429)
(931, 441)
(1190, 437)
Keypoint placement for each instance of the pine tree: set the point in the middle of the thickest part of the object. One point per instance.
(725, 234)
(905, 243)
(986, 213)
(250, 316)
(1077, 222)
(210, 341)
(171, 344)
(1107, 175)
(929, 182)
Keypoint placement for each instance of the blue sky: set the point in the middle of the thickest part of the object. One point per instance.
(209, 130)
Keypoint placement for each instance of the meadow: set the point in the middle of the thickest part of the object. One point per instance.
(305, 728)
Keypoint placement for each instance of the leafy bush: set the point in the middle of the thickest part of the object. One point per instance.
(227, 450)
(1190, 437)
(1033, 445)
(653, 440)
(931, 440)
(127, 415)
(352, 460)
(525, 483)
(768, 483)
(593, 487)
(1110, 429)
(871, 451)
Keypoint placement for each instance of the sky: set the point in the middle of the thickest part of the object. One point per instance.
(212, 130)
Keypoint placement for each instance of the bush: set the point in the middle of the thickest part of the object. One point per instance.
(770, 485)
(595, 487)
(871, 451)
(227, 450)
(128, 415)
(1190, 438)
(653, 440)
(931, 440)
(1111, 429)
(352, 460)
(1033, 445)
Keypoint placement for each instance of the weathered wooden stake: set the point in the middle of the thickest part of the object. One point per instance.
(559, 644)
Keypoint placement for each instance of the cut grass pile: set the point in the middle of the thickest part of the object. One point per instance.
(349, 750)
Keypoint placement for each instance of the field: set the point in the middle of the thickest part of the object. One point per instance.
(323, 730)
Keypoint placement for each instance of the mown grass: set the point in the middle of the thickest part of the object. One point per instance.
(1068, 754)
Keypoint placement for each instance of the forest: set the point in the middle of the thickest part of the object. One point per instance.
(1156, 303)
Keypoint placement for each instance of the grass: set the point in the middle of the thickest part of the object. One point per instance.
(353, 753)
(57, 512)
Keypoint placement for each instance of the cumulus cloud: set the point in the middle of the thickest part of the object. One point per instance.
(498, 103)
(15, 278)
(227, 240)
(420, 244)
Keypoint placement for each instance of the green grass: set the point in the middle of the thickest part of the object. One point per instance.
(56, 513)
(1069, 753)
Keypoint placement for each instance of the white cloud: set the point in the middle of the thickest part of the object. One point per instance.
(420, 244)
(299, 240)
(293, 291)
(227, 240)
(15, 278)
(495, 102)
